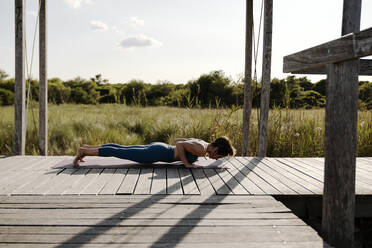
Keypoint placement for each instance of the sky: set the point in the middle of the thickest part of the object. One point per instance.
(167, 40)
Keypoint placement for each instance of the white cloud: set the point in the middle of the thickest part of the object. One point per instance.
(77, 3)
(98, 25)
(138, 41)
(134, 21)
(117, 30)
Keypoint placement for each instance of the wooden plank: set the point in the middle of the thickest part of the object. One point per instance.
(153, 222)
(310, 185)
(31, 182)
(96, 186)
(84, 182)
(51, 199)
(114, 185)
(365, 69)
(254, 177)
(179, 214)
(247, 105)
(340, 141)
(144, 182)
(170, 209)
(285, 179)
(11, 167)
(362, 175)
(188, 183)
(351, 46)
(266, 78)
(152, 238)
(231, 181)
(32, 186)
(204, 186)
(304, 166)
(249, 230)
(127, 184)
(43, 79)
(361, 187)
(173, 182)
(250, 186)
(11, 163)
(75, 180)
(307, 244)
(20, 179)
(255, 166)
(20, 83)
(217, 183)
(64, 179)
(159, 182)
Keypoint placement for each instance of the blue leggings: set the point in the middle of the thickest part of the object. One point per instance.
(154, 152)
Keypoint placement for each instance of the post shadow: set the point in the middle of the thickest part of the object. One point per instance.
(187, 228)
(109, 223)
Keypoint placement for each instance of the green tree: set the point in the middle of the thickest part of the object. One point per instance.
(57, 92)
(6, 97)
(208, 89)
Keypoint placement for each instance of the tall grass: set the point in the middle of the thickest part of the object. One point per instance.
(291, 133)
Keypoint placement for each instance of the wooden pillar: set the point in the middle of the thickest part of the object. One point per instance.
(43, 80)
(20, 84)
(266, 77)
(340, 141)
(247, 106)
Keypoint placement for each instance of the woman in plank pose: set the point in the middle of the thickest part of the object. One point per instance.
(185, 150)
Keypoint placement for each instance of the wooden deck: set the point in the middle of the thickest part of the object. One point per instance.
(34, 175)
(45, 207)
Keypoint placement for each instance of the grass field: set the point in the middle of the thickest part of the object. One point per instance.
(291, 133)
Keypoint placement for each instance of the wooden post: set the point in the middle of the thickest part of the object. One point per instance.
(43, 81)
(247, 106)
(340, 141)
(20, 84)
(266, 77)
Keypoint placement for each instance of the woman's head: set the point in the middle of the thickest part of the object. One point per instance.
(222, 147)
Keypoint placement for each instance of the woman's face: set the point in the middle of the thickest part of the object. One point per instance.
(213, 154)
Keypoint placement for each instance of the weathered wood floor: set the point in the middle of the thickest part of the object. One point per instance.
(151, 221)
(34, 175)
(45, 207)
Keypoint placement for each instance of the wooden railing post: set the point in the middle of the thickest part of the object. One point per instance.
(247, 106)
(43, 80)
(20, 84)
(266, 77)
(340, 141)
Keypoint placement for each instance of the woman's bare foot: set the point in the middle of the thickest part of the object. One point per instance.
(79, 157)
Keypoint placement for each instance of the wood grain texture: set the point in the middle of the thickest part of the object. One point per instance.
(20, 83)
(43, 79)
(352, 46)
(152, 221)
(247, 105)
(266, 78)
(365, 69)
(340, 143)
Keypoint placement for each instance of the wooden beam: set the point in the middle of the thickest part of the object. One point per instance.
(43, 80)
(351, 46)
(247, 105)
(20, 83)
(338, 214)
(365, 69)
(266, 77)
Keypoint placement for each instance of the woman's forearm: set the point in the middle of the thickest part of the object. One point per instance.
(182, 154)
